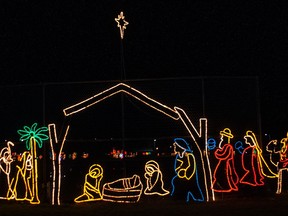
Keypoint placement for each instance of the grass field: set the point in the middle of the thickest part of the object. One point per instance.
(232, 206)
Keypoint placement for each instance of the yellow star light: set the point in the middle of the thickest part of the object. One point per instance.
(121, 23)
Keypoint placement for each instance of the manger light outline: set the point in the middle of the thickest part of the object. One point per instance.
(123, 188)
(191, 129)
(53, 135)
(53, 159)
(176, 113)
(121, 87)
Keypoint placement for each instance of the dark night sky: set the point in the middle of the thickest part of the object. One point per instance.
(74, 41)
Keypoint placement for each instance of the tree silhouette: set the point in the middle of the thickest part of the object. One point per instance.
(33, 137)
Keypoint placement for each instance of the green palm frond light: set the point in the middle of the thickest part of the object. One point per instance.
(33, 133)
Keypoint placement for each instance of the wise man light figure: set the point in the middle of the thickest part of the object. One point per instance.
(225, 177)
(251, 162)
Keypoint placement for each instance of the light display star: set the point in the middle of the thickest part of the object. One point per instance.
(121, 23)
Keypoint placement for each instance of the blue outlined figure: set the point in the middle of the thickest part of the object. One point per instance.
(239, 147)
(185, 182)
(211, 144)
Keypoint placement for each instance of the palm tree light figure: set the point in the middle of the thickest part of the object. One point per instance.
(33, 137)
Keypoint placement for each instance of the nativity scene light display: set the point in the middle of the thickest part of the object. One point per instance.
(203, 168)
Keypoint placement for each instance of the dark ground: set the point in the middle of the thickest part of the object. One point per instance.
(265, 205)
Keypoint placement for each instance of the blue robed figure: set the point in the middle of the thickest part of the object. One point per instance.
(185, 182)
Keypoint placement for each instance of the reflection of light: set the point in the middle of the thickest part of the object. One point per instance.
(63, 156)
(74, 155)
(120, 154)
(85, 155)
